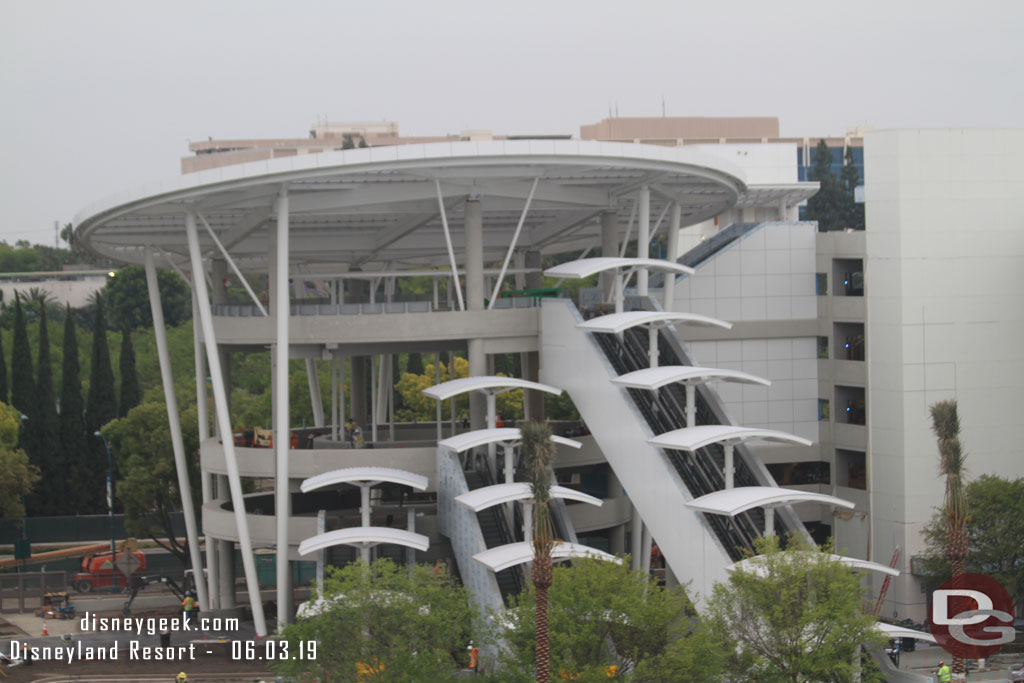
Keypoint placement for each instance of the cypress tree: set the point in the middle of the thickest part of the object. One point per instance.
(22, 378)
(71, 431)
(131, 394)
(43, 449)
(825, 206)
(100, 408)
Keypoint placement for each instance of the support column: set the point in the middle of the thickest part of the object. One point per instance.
(652, 345)
(636, 538)
(729, 469)
(691, 405)
(769, 521)
(315, 398)
(207, 478)
(617, 539)
(609, 248)
(533, 401)
(226, 564)
(174, 421)
(474, 240)
(358, 293)
(643, 236)
(647, 543)
(410, 525)
(668, 299)
(364, 511)
(224, 424)
(282, 427)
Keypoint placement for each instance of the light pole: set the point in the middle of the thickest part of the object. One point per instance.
(110, 511)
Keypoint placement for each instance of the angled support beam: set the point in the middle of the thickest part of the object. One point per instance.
(629, 230)
(512, 245)
(224, 427)
(174, 420)
(202, 410)
(448, 244)
(174, 266)
(234, 267)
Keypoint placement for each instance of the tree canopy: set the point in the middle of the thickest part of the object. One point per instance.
(381, 622)
(19, 476)
(128, 298)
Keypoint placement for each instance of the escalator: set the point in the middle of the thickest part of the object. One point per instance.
(497, 532)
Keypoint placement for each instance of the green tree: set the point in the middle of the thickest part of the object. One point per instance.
(148, 482)
(43, 445)
(19, 475)
(849, 180)
(100, 407)
(793, 615)
(603, 614)
(71, 433)
(414, 365)
(538, 455)
(3, 373)
(826, 206)
(382, 623)
(131, 394)
(946, 425)
(128, 298)
(22, 378)
(994, 547)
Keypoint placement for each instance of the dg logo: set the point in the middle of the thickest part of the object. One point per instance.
(972, 616)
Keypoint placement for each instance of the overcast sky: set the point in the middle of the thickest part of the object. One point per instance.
(101, 96)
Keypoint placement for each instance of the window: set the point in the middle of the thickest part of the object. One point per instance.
(849, 341)
(821, 284)
(822, 347)
(850, 400)
(800, 473)
(851, 469)
(848, 274)
(824, 410)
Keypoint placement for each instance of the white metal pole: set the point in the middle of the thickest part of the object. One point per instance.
(492, 422)
(174, 421)
(512, 245)
(448, 244)
(437, 380)
(636, 538)
(643, 236)
(282, 437)
(334, 397)
(729, 465)
(321, 557)
(410, 525)
(620, 294)
(364, 510)
(373, 400)
(645, 559)
(652, 345)
(341, 391)
(769, 521)
(315, 399)
(691, 405)
(220, 402)
(204, 433)
(668, 296)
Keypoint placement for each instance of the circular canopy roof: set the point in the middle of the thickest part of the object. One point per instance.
(378, 208)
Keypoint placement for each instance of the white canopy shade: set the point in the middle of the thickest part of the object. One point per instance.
(619, 322)
(734, 501)
(656, 378)
(510, 555)
(362, 536)
(581, 268)
(693, 438)
(756, 564)
(361, 475)
(894, 631)
(482, 437)
(446, 390)
(489, 496)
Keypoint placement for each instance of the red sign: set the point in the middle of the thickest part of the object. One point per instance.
(972, 616)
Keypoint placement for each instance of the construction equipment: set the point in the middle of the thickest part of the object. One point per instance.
(140, 582)
(886, 582)
(56, 605)
(99, 570)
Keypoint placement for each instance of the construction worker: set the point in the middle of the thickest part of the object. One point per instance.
(181, 678)
(943, 673)
(188, 606)
(474, 657)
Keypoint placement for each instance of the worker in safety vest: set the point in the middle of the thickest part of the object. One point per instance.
(943, 672)
(474, 657)
(188, 606)
(181, 678)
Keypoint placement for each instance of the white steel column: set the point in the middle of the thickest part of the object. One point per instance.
(691, 405)
(220, 401)
(364, 510)
(609, 247)
(645, 559)
(448, 244)
(474, 237)
(492, 422)
(437, 380)
(672, 248)
(207, 478)
(769, 521)
(282, 430)
(729, 469)
(636, 537)
(643, 236)
(373, 400)
(334, 397)
(315, 398)
(174, 421)
(652, 345)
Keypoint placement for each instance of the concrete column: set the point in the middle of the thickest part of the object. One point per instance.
(636, 539)
(533, 278)
(218, 274)
(609, 248)
(673, 253)
(533, 401)
(477, 367)
(729, 468)
(617, 539)
(519, 262)
(474, 240)
(226, 566)
(643, 236)
(359, 293)
(647, 543)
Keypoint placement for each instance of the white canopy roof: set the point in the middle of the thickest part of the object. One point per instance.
(693, 438)
(510, 555)
(894, 631)
(454, 387)
(359, 475)
(617, 322)
(586, 267)
(756, 564)
(655, 378)
(362, 536)
(482, 437)
(489, 496)
(734, 501)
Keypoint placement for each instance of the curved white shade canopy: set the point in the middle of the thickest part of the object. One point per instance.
(581, 268)
(482, 437)
(489, 496)
(756, 564)
(363, 536)
(894, 631)
(656, 378)
(446, 390)
(693, 438)
(619, 322)
(734, 501)
(510, 555)
(362, 475)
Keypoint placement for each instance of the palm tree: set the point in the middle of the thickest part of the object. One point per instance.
(538, 454)
(946, 425)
